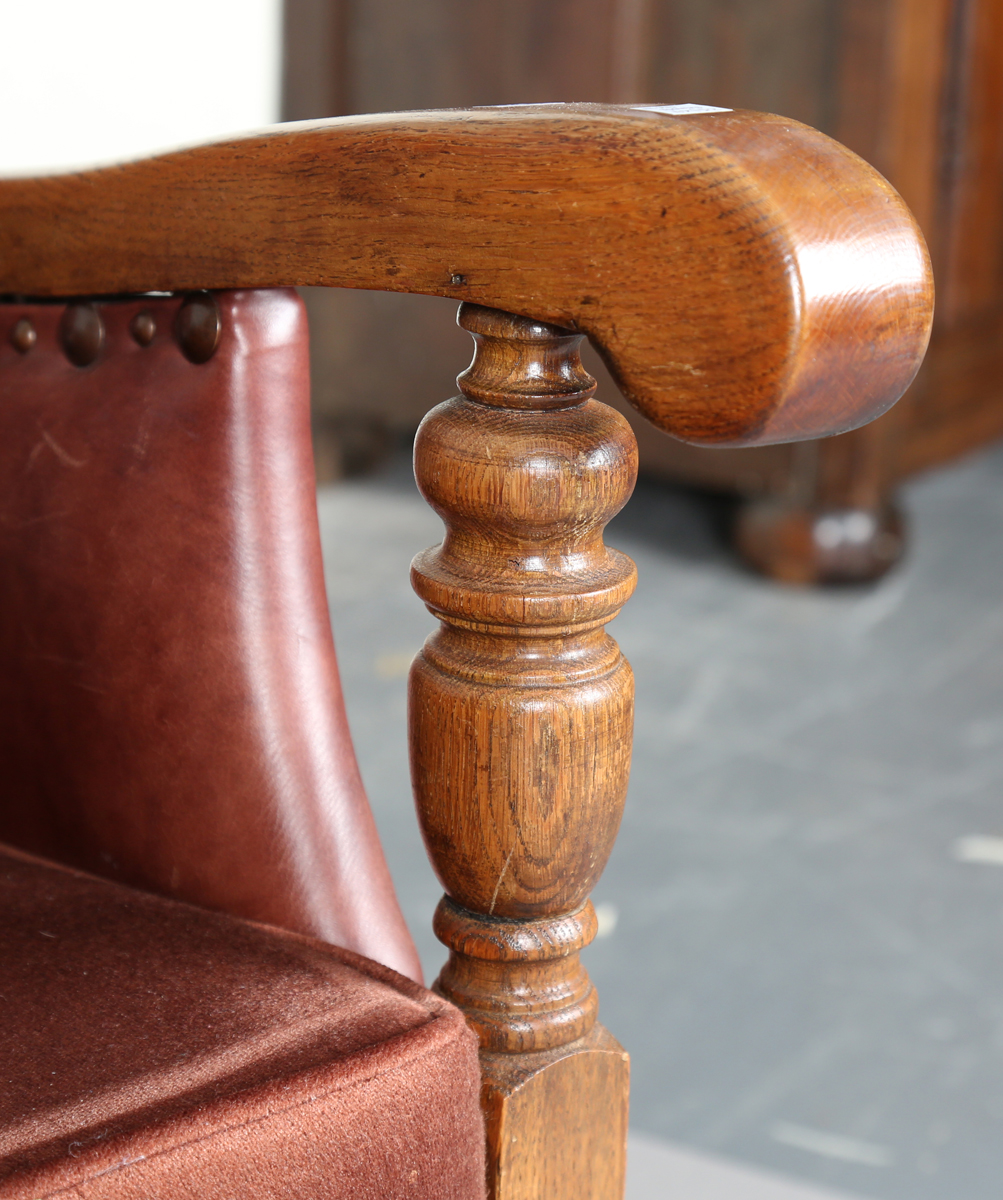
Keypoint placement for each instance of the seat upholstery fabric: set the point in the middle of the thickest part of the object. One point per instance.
(152, 1050)
(170, 710)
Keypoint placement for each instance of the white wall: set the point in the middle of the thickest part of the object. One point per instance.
(85, 81)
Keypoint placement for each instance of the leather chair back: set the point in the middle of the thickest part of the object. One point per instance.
(170, 710)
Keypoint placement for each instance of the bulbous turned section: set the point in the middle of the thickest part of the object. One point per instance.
(525, 470)
(521, 705)
(524, 496)
(520, 984)
(520, 765)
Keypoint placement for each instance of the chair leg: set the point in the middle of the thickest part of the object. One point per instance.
(521, 715)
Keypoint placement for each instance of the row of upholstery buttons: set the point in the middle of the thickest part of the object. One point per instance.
(197, 327)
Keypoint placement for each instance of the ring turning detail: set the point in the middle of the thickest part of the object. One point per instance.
(521, 717)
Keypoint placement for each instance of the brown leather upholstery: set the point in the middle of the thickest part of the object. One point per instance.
(153, 1049)
(170, 711)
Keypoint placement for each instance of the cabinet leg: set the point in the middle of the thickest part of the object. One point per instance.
(795, 544)
(836, 522)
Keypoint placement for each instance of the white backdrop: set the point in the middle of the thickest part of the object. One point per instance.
(86, 81)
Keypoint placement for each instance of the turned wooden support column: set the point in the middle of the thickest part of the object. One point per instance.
(521, 715)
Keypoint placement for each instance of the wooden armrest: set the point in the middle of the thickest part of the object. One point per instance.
(746, 278)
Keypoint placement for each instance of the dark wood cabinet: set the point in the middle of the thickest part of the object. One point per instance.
(914, 86)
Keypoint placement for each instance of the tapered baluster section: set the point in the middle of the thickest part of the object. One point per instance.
(521, 713)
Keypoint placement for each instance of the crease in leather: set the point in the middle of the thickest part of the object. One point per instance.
(170, 710)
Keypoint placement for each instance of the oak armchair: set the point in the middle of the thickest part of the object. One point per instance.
(196, 904)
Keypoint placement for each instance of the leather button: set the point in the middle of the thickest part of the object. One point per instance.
(197, 327)
(23, 335)
(143, 328)
(81, 334)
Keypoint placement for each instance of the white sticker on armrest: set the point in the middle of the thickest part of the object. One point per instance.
(680, 110)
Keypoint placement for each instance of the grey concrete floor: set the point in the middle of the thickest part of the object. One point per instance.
(803, 916)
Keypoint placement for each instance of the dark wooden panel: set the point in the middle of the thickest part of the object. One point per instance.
(775, 57)
(970, 258)
(314, 75)
(358, 371)
(893, 58)
(460, 53)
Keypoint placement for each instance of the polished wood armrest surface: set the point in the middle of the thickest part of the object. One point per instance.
(746, 278)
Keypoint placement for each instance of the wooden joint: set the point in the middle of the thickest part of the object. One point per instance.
(521, 363)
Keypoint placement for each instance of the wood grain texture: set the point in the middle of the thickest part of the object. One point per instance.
(315, 64)
(906, 84)
(746, 278)
(893, 65)
(916, 91)
(520, 726)
(521, 701)
(460, 53)
(520, 983)
(970, 238)
(921, 96)
(773, 55)
(557, 1121)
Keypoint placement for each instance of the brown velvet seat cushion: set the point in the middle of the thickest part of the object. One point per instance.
(151, 1050)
